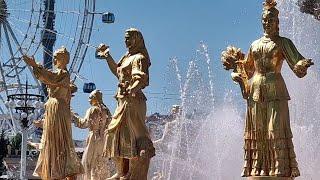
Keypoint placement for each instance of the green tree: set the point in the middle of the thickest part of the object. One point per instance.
(16, 142)
(3, 151)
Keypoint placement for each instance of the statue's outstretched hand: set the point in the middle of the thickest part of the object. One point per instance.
(35, 145)
(74, 116)
(300, 69)
(307, 62)
(38, 123)
(103, 51)
(29, 60)
(236, 77)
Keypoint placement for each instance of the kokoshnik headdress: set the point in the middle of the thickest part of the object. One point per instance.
(269, 8)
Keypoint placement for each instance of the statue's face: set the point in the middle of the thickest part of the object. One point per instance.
(128, 40)
(58, 60)
(92, 100)
(270, 24)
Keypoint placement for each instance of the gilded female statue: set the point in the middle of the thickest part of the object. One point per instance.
(96, 119)
(57, 159)
(128, 141)
(268, 144)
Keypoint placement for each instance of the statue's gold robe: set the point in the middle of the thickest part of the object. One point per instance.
(57, 159)
(268, 137)
(127, 132)
(96, 166)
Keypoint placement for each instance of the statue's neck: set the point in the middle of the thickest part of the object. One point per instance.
(132, 51)
(271, 35)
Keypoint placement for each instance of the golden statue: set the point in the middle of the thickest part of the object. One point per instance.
(97, 118)
(268, 143)
(57, 159)
(128, 141)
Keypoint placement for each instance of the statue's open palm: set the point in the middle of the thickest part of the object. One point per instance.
(103, 51)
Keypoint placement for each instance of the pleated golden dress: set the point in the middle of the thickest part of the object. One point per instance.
(127, 132)
(268, 145)
(57, 159)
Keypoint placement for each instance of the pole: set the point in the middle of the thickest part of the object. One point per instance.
(24, 135)
(23, 169)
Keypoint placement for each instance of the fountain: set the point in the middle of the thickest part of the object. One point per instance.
(303, 29)
(205, 141)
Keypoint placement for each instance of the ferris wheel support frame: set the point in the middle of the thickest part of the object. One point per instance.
(6, 26)
(78, 61)
(15, 67)
(12, 67)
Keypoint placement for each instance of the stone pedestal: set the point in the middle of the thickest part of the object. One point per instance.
(269, 178)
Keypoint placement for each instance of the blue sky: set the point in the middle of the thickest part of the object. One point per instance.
(171, 28)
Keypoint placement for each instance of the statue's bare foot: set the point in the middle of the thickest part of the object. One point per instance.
(295, 172)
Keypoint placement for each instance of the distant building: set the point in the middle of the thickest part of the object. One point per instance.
(156, 122)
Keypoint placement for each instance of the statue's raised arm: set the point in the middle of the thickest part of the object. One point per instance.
(103, 52)
(295, 60)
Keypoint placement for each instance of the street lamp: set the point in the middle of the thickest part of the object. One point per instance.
(27, 108)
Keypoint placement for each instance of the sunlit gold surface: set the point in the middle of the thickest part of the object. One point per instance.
(268, 144)
(128, 137)
(57, 159)
(97, 118)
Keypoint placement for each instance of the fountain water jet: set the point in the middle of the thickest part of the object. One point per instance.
(202, 130)
(304, 31)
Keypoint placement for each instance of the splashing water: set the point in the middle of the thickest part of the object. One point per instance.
(196, 144)
(304, 31)
(205, 142)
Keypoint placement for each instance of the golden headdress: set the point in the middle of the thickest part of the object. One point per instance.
(269, 8)
(268, 4)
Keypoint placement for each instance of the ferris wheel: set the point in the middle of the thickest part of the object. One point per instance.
(33, 27)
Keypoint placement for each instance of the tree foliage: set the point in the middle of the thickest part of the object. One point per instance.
(3, 151)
